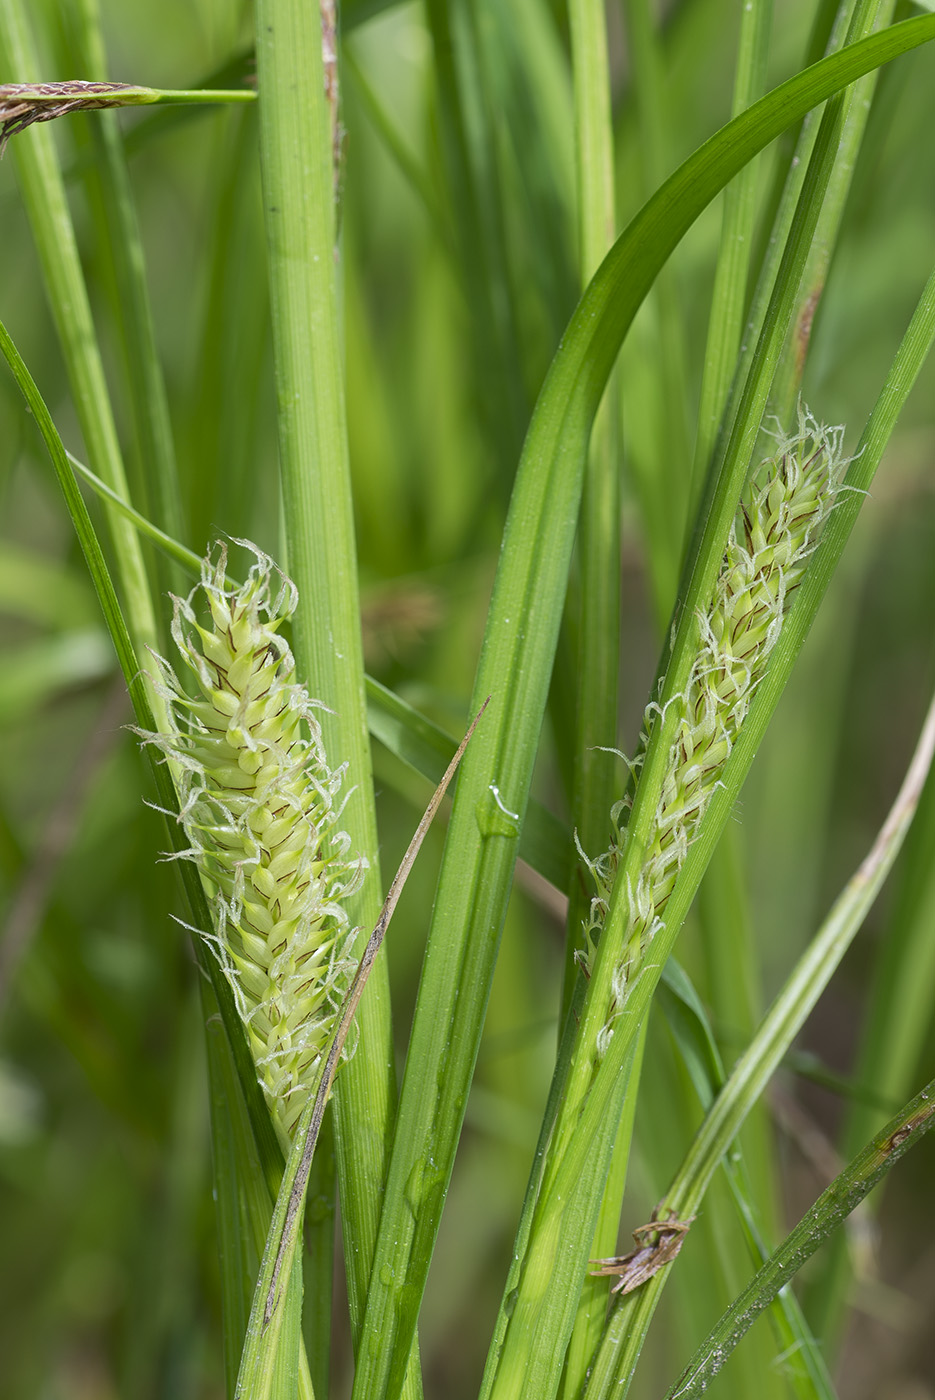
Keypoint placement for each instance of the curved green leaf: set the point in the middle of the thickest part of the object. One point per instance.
(630, 1318)
(614, 1069)
(832, 1207)
(515, 666)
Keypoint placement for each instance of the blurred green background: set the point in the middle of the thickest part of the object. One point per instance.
(459, 272)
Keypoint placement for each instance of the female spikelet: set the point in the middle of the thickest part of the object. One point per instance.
(777, 526)
(259, 806)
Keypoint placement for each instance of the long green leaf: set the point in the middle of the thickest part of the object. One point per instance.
(598, 659)
(856, 103)
(631, 1317)
(43, 194)
(297, 145)
(272, 1336)
(610, 1081)
(533, 1353)
(726, 942)
(897, 1027)
(832, 1207)
(515, 666)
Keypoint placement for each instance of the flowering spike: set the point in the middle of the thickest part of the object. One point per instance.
(778, 522)
(260, 808)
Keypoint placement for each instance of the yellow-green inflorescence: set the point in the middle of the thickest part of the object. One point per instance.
(776, 529)
(261, 811)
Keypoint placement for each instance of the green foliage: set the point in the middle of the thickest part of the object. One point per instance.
(334, 312)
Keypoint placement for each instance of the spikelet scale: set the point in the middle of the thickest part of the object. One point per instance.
(776, 529)
(261, 810)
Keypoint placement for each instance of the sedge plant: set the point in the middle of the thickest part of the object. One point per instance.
(420, 300)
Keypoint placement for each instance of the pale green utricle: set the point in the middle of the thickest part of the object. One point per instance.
(261, 810)
(776, 529)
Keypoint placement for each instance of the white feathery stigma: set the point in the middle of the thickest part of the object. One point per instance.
(782, 511)
(261, 811)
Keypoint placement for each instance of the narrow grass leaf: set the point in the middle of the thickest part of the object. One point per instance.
(598, 658)
(515, 666)
(728, 299)
(906, 366)
(856, 105)
(43, 194)
(896, 1028)
(832, 1207)
(121, 237)
(297, 146)
(756, 1065)
(726, 941)
(271, 1331)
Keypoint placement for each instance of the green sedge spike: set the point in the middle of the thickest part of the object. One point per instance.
(261, 811)
(777, 526)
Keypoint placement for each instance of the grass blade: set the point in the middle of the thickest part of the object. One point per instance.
(756, 1065)
(43, 193)
(271, 1336)
(535, 1343)
(598, 658)
(120, 236)
(515, 667)
(832, 1207)
(297, 146)
(727, 942)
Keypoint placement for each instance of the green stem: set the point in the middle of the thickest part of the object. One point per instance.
(124, 247)
(832, 1207)
(747, 1081)
(726, 942)
(599, 613)
(298, 193)
(516, 662)
(599, 527)
(903, 373)
(44, 196)
(604, 1081)
(725, 324)
(188, 96)
(867, 16)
